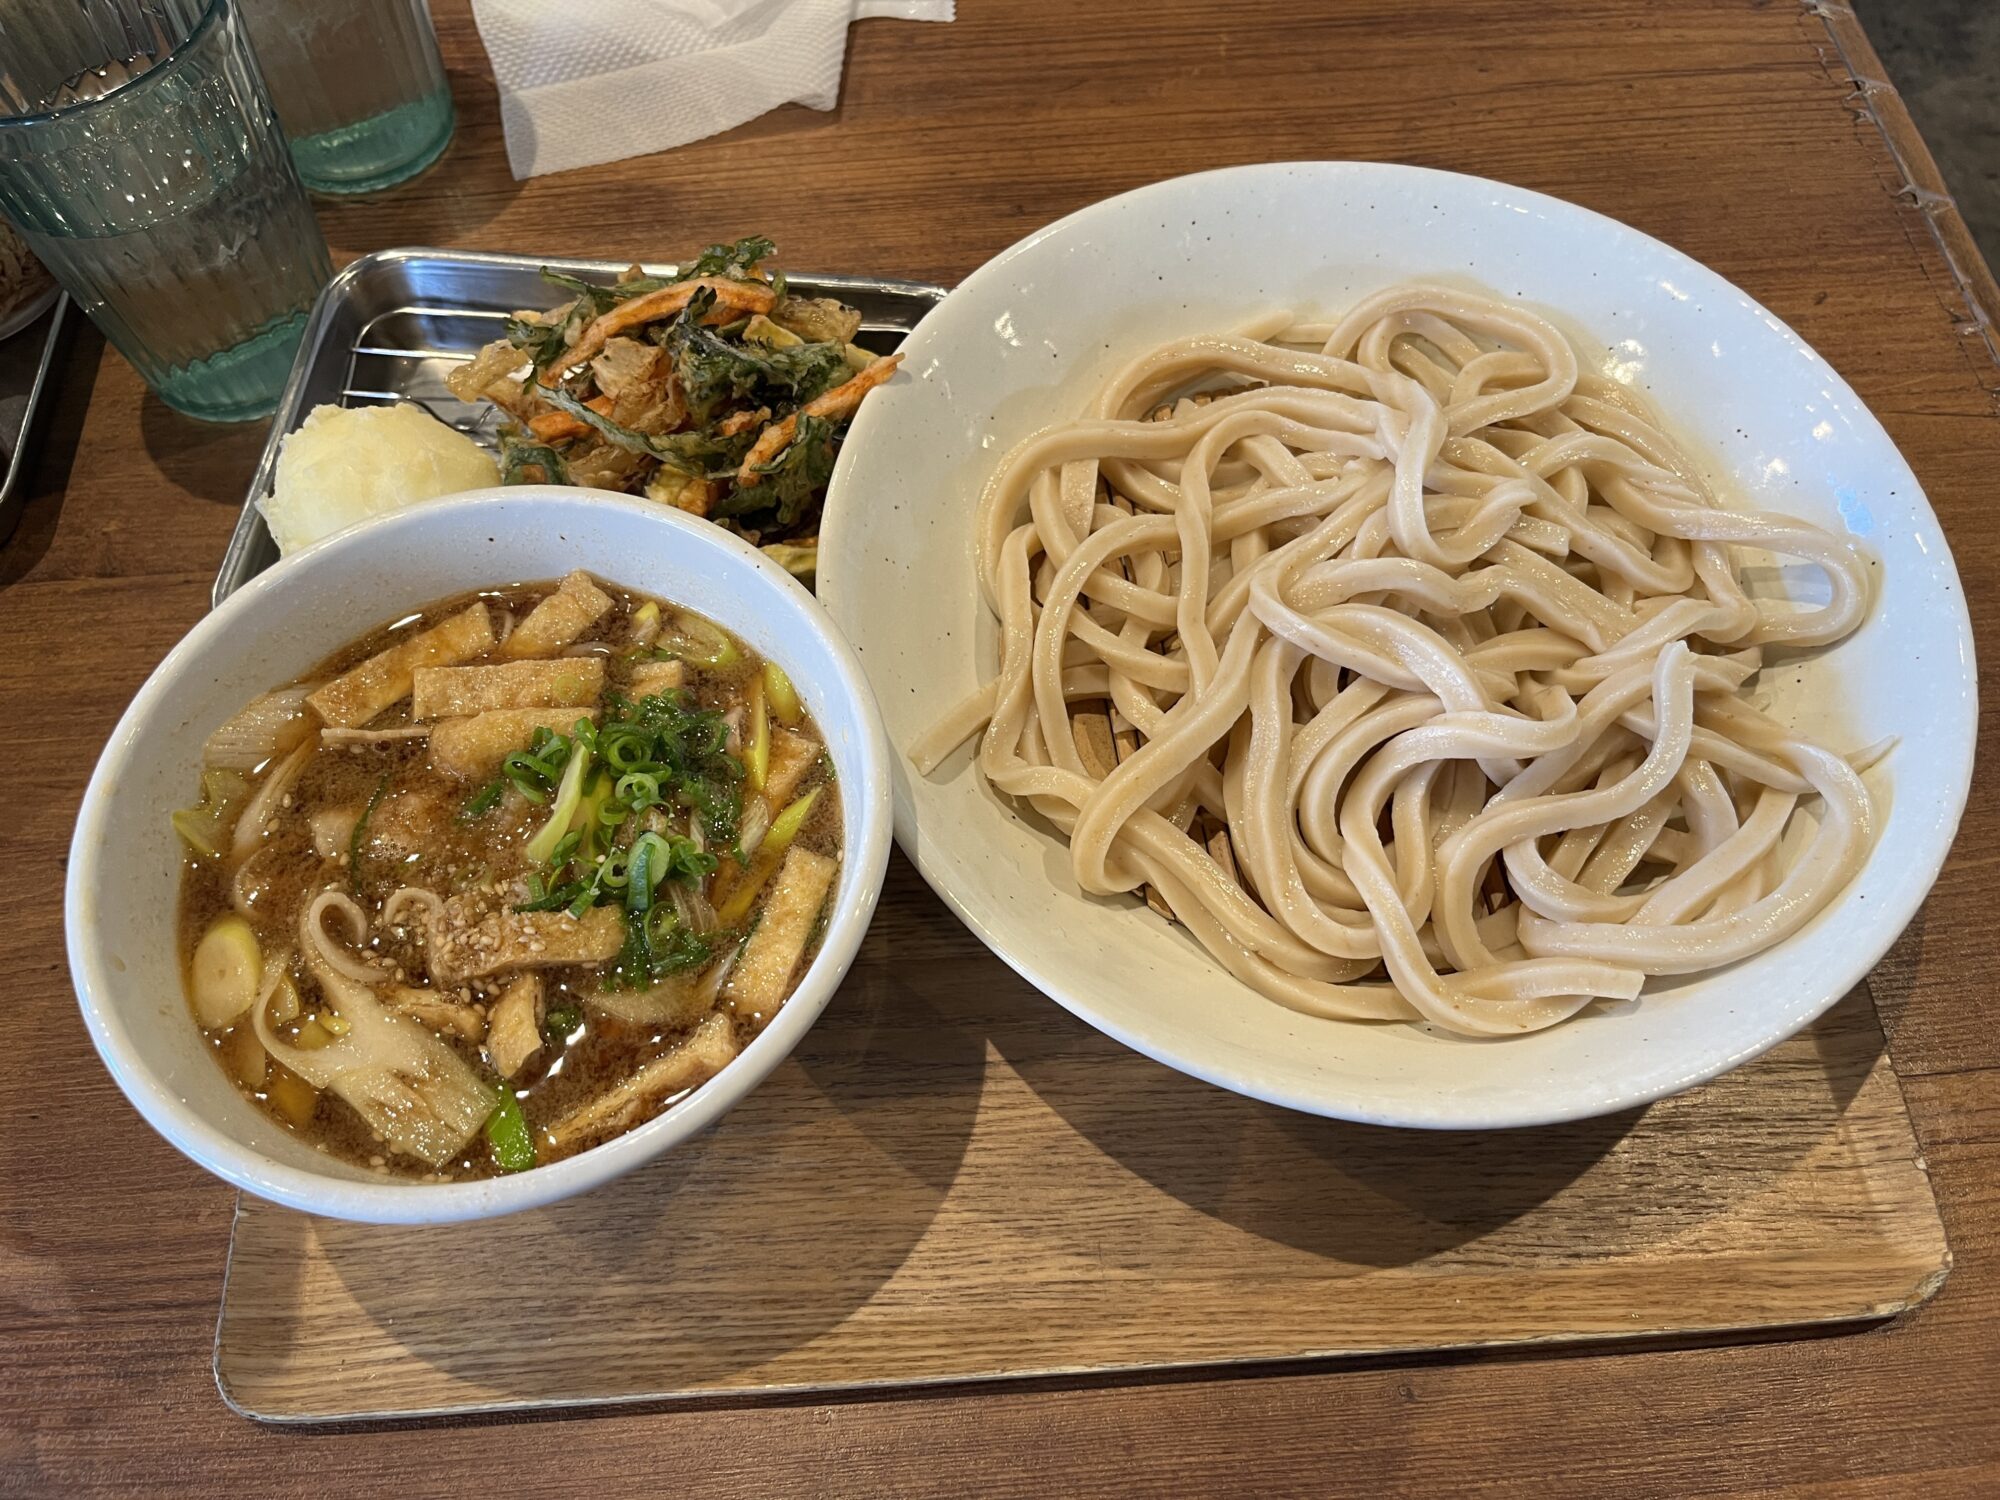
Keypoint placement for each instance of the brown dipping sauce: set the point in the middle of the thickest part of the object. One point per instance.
(372, 813)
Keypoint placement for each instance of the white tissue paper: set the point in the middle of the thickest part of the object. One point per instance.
(590, 83)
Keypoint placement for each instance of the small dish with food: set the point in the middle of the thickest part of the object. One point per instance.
(447, 887)
(718, 387)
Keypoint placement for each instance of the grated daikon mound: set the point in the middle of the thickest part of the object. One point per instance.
(343, 466)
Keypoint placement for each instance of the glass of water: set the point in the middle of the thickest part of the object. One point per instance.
(141, 161)
(359, 86)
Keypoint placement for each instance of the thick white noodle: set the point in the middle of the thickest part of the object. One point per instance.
(1445, 633)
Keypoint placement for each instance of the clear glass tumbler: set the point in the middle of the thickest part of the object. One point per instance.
(359, 86)
(141, 161)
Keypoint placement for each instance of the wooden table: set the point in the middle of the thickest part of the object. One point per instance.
(1733, 129)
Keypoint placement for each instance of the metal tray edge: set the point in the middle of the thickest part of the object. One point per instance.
(245, 541)
(11, 498)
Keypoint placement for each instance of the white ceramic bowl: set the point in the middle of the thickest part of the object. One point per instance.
(1023, 341)
(124, 862)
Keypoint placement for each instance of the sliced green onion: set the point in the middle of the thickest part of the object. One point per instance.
(528, 775)
(692, 638)
(625, 754)
(508, 1134)
(483, 801)
(784, 698)
(675, 947)
(757, 749)
(615, 870)
(566, 847)
(590, 821)
(633, 968)
(568, 796)
(660, 751)
(639, 790)
(785, 827)
(652, 859)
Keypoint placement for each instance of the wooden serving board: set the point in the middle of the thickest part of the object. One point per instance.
(953, 1179)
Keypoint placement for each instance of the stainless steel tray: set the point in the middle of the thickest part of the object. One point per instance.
(390, 325)
(26, 356)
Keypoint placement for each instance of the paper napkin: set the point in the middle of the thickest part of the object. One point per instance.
(582, 84)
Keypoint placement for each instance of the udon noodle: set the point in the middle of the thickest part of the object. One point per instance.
(1428, 648)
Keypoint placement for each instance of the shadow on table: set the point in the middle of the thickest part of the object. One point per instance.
(1376, 1197)
(784, 1222)
(53, 440)
(1362, 1195)
(211, 461)
(1893, 982)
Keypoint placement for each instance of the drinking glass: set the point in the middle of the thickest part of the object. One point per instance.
(141, 161)
(359, 86)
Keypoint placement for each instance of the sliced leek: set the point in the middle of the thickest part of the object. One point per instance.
(783, 697)
(225, 973)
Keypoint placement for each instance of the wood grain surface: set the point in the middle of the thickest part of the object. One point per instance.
(1733, 129)
(951, 1180)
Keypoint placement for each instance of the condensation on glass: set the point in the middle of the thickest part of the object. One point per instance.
(141, 160)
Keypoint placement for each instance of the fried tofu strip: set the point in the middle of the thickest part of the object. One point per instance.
(841, 401)
(706, 1052)
(653, 677)
(379, 683)
(514, 1025)
(792, 755)
(759, 982)
(732, 300)
(472, 749)
(576, 605)
(431, 1009)
(457, 692)
(671, 1004)
(525, 940)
